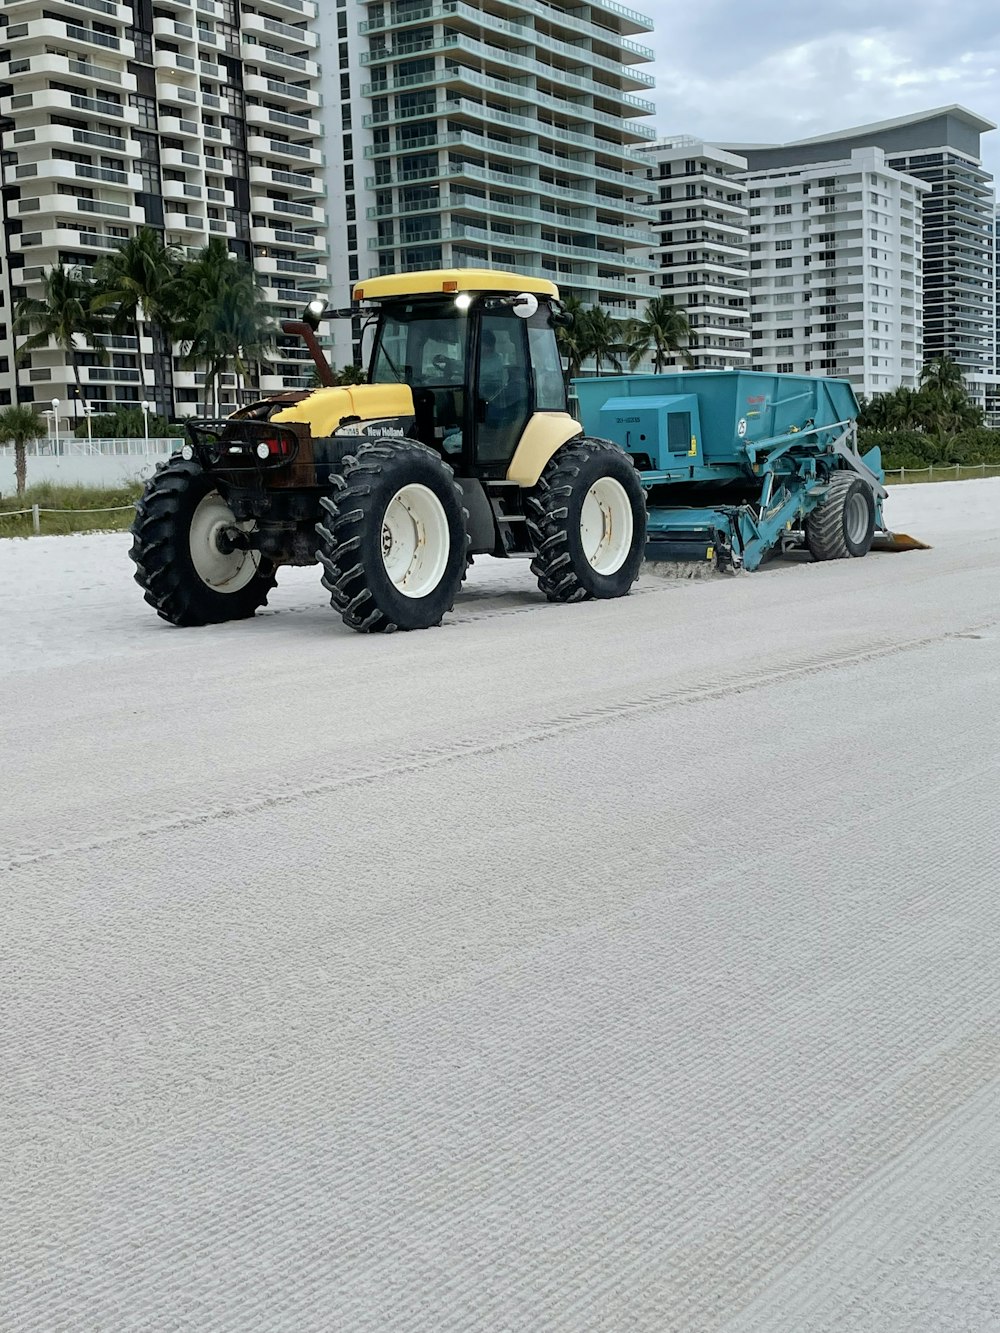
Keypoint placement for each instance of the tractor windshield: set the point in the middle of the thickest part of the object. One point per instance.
(422, 344)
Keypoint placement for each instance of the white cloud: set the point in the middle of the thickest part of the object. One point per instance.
(779, 69)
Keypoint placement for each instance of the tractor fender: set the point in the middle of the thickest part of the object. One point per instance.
(545, 433)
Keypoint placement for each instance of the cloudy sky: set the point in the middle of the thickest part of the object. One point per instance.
(772, 70)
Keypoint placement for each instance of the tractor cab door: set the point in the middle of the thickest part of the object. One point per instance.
(424, 344)
(518, 372)
(503, 401)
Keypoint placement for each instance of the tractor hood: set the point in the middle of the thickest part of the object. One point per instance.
(325, 410)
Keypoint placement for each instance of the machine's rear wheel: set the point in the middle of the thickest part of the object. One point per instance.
(394, 542)
(587, 518)
(186, 563)
(844, 524)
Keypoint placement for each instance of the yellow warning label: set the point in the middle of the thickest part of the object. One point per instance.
(710, 553)
(694, 447)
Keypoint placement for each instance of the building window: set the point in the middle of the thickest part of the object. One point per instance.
(147, 111)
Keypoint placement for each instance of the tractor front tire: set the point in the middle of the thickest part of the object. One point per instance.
(394, 540)
(844, 524)
(587, 519)
(180, 565)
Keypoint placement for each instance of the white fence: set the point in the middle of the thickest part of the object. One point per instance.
(944, 472)
(99, 462)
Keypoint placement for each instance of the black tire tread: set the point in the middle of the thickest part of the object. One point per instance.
(546, 509)
(163, 575)
(348, 509)
(825, 534)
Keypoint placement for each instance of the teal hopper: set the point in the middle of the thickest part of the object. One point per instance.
(738, 463)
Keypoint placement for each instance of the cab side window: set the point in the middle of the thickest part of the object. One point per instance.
(546, 365)
(503, 386)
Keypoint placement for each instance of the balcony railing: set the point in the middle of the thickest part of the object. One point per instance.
(89, 35)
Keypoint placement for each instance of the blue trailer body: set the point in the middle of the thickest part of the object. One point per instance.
(733, 461)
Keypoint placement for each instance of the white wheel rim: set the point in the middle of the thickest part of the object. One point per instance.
(856, 518)
(415, 541)
(222, 571)
(606, 525)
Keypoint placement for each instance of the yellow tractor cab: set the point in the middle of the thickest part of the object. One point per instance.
(478, 351)
(460, 444)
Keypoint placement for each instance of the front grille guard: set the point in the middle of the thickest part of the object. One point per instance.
(224, 444)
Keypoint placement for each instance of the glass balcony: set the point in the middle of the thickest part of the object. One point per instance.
(564, 166)
(569, 21)
(459, 231)
(457, 13)
(536, 129)
(484, 52)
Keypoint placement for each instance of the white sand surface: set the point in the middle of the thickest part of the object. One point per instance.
(622, 966)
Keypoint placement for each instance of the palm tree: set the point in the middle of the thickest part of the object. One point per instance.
(904, 409)
(954, 411)
(573, 338)
(662, 329)
(138, 282)
(64, 314)
(223, 317)
(874, 413)
(18, 425)
(603, 334)
(941, 374)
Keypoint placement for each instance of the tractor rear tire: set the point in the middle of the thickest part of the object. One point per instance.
(180, 567)
(394, 541)
(587, 519)
(844, 524)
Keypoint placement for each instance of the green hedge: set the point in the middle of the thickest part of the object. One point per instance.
(913, 448)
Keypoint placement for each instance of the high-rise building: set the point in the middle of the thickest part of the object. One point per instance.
(942, 148)
(501, 135)
(835, 271)
(198, 117)
(702, 251)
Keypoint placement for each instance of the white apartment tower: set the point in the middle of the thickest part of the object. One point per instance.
(943, 147)
(702, 250)
(198, 117)
(501, 134)
(836, 279)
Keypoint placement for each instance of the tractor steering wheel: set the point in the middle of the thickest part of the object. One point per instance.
(445, 364)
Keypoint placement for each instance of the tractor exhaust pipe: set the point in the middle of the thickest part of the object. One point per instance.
(299, 328)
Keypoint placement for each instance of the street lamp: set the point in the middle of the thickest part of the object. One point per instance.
(55, 425)
(146, 409)
(88, 412)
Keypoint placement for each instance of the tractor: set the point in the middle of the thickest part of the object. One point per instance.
(459, 445)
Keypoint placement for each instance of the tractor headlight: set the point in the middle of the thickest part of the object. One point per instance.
(263, 450)
(315, 311)
(463, 301)
(187, 453)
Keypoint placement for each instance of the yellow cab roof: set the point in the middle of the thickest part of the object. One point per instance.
(447, 280)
